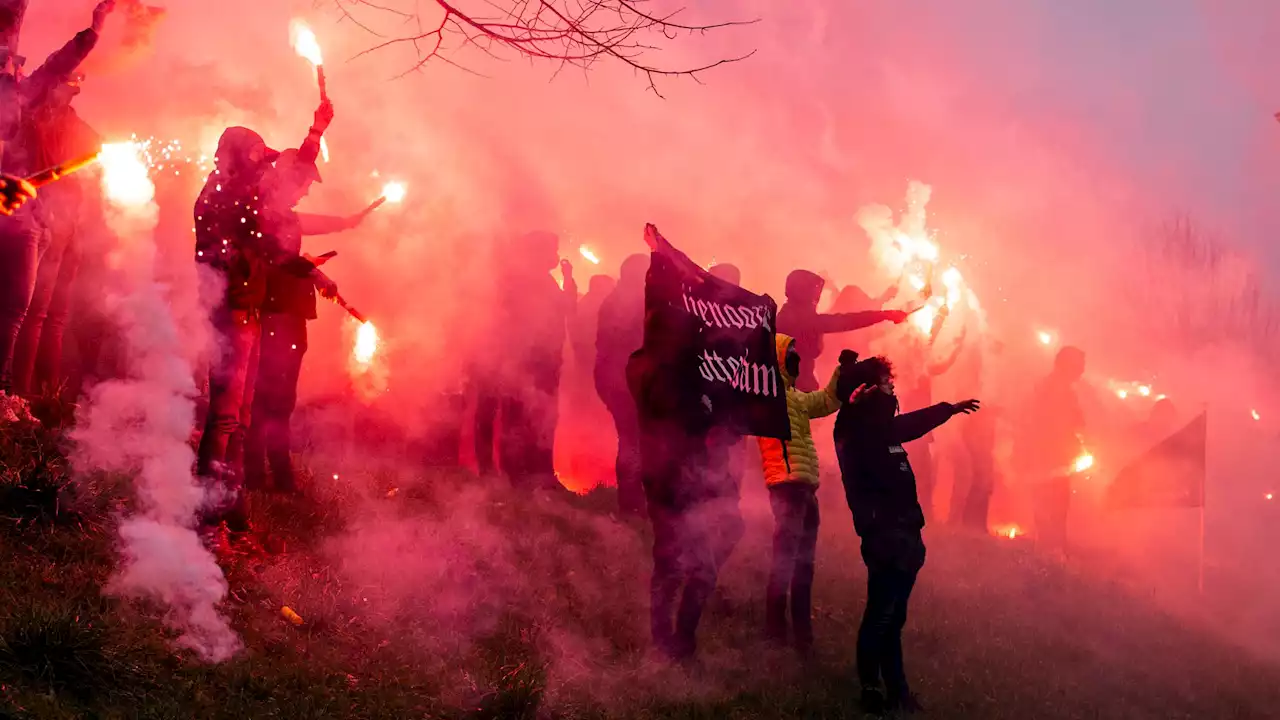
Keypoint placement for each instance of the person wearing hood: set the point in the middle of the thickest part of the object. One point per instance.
(232, 245)
(289, 305)
(791, 474)
(799, 318)
(23, 236)
(881, 491)
(619, 333)
(57, 135)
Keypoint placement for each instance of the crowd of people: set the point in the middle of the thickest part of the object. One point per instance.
(673, 467)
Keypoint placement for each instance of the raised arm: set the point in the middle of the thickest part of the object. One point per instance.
(309, 150)
(845, 322)
(914, 425)
(59, 66)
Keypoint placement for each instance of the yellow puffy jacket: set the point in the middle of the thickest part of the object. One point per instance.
(798, 462)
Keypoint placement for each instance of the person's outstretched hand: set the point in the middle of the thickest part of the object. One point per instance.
(966, 407)
(897, 316)
(14, 191)
(860, 392)
(566, 269)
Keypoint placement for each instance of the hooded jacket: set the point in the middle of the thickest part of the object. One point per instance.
(797, 461)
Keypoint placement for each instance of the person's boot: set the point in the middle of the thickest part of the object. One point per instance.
(872, 701)
(775, 619)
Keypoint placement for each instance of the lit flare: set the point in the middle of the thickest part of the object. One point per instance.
(589, 255)
(125, 174)
(305, 43)
(394, 192)
(366, 343)
(1082, 463)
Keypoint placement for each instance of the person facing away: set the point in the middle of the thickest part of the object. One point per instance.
(675, 455)
(586, 322)
(619, 333)
(791, 474)
(881, 492)
(230, 243)
(23, 231)
(289, 305)
(799, 318)
(1051, 438)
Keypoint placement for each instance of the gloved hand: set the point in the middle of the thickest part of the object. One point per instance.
(966, 407)
(324, 116)
(14, 191)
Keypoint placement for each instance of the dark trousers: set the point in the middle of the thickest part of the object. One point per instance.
(973, 505)
(880, 636)
(1052, 500)
(682, 556)
(926, 474)
(795, 544)
(268, 440)
(626, 421)
(22, 239)
(488, 398)
(231, 380)
(37, 354)
(527, 434)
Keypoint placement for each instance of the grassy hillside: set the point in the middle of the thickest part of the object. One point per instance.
(428, 597)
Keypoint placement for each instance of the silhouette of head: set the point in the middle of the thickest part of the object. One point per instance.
(1069, 363)
(804, 287)
(633, 270)
(728, 273)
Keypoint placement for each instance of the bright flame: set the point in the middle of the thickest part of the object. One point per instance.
(1008, 531)
(305, 43)
(324, 150)
(125, 175)
(1045, 338)
(1269, 496)
(923, 318)
(1122, 393)
(1255, 414)
(366, 343)
(954, 283)
(1144, 390)
(917, 282)
(1082, 463)
(590, 256)
(394, 192)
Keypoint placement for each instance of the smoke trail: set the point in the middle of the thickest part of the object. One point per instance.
(141, 425)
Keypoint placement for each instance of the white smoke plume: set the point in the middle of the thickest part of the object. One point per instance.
(141, 425)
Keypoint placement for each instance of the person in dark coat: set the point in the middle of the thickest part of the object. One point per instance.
(619, 333)
(881, 491)
(231, 243)
(799, 318)
(290, 304)
(727, 525)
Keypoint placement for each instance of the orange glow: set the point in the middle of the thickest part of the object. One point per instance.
(1082, 463)
(1045, 337)
(589, 255)
(125, 176)
(1255, 414)
(1009, 532)
(366, 343)
(1269, 496)
(305, 43)
(1122, 393)
(394, 192)
(1144, 390)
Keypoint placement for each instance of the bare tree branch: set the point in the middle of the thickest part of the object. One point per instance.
(572, 33)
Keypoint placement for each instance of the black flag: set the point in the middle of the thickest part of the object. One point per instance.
(722, 337)
(1171, 474)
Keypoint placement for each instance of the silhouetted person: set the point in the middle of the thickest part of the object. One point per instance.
(881, 491)
(675, 457)
(56, 134)
(619, 333)
(23, 232)
(799, 318)
(586, 322)
(289, 305)
(1049, 441)
(791, 473)
(534, 313)
(230, 242)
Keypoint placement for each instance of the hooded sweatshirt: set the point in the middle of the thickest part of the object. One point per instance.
(797, 461)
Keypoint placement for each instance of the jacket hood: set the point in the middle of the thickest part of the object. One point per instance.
(234, 148)
(784, 343)
(804, 286)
